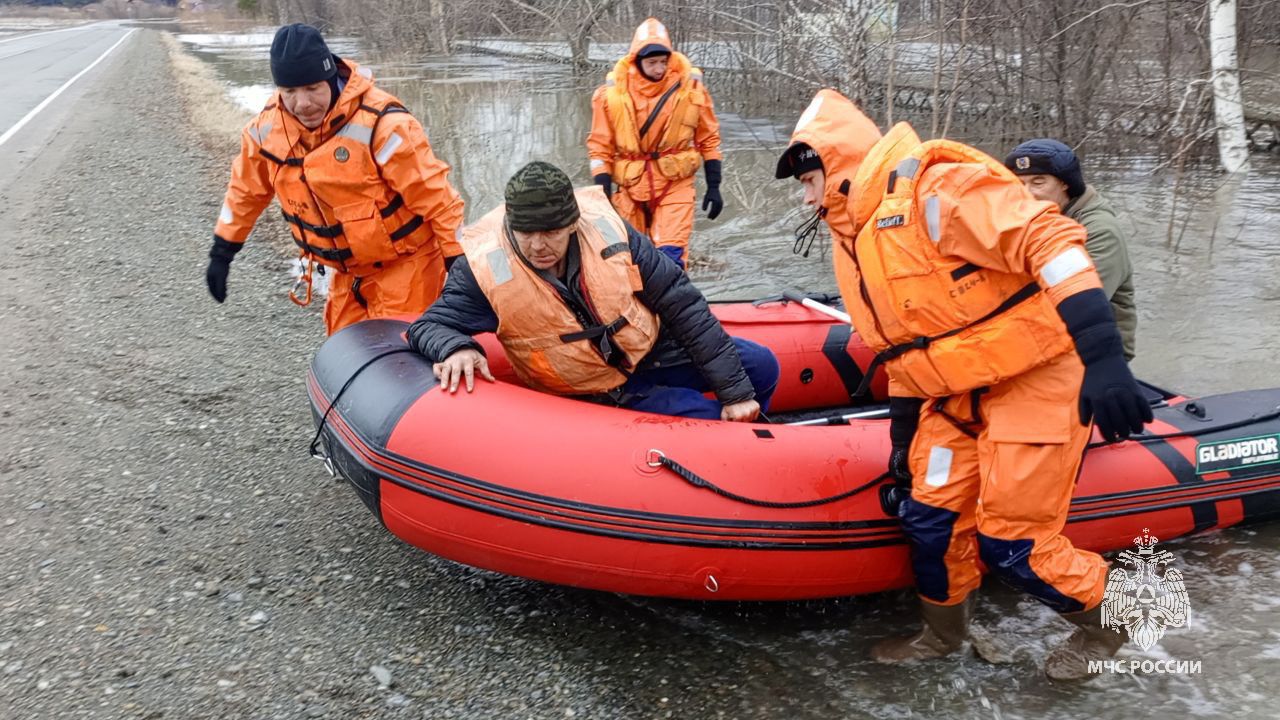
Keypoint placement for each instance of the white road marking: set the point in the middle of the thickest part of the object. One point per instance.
(47, 32)
(45, 103)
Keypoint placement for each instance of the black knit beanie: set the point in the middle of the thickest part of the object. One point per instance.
(299, 56)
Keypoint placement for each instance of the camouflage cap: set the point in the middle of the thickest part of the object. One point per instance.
(539, 198)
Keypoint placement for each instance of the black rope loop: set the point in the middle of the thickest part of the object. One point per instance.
(315, 441)
(658, 459)
(806, 233)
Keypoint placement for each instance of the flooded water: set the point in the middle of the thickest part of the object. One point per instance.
(1206, 254)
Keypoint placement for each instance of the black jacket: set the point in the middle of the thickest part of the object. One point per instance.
(689, 332)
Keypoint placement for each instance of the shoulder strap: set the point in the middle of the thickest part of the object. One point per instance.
(658, 108)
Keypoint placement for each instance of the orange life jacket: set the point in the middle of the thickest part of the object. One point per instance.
(549, 348)
(341, 212)
(941, 325)
(673, 154)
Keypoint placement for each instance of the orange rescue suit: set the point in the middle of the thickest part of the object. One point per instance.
(654, 171)
(673, 156)
(952, 272)
(954, 295)
(548, 347)
(363, 194)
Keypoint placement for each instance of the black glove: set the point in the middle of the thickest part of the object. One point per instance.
(904, 418)
(604, 181)
(215, 275)
(1109, 396)
(712, 199)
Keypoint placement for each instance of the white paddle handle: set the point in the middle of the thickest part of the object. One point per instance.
(816, 306)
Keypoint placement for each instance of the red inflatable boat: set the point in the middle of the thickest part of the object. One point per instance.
(568, 492)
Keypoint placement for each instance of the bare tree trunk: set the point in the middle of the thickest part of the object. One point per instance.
(961, 58)
(436, 9)
(888, 82)
(937, 74)
(579, 47)
(1228, 105)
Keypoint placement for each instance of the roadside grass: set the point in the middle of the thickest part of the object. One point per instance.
(215, 118)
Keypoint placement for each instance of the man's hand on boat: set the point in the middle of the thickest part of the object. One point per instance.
(744, 411)
(465, 364)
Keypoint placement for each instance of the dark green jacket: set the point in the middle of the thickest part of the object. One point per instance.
(1106, 245)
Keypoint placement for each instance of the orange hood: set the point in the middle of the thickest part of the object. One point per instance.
(842, 136)
(650, 32)
(627, 70)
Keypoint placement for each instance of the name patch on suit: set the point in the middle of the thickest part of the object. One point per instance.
(891, 221)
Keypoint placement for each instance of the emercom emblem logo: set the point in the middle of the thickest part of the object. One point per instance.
(1145, 598)
(1148, 600)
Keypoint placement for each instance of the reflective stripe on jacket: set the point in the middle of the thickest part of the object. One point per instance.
(549, 347)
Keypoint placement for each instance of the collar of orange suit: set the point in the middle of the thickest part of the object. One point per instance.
(635, 81)
(873, 173)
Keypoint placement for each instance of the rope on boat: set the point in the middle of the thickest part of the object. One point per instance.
(313, 449)
(659, 459)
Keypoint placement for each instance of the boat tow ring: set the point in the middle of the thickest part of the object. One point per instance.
(655, 458)
(712, 585)
(324, 457)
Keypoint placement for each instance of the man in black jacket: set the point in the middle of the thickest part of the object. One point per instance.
(542, 251)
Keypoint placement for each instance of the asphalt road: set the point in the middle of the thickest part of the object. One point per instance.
(45, 73)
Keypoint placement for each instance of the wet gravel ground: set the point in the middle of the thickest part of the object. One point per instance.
(169, 551)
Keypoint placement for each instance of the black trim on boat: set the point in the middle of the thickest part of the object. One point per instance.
(384, 391)
(836, 350)
(1205, 514)
(1189, 488)
(649, 538)
(878, 533)
(364, 419)
(420, 470)
(1169, 506)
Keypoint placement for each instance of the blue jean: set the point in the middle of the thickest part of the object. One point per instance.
(679, 390)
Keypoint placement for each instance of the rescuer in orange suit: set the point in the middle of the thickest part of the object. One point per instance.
(652, 125)
(357, 182)
(1000, 346)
